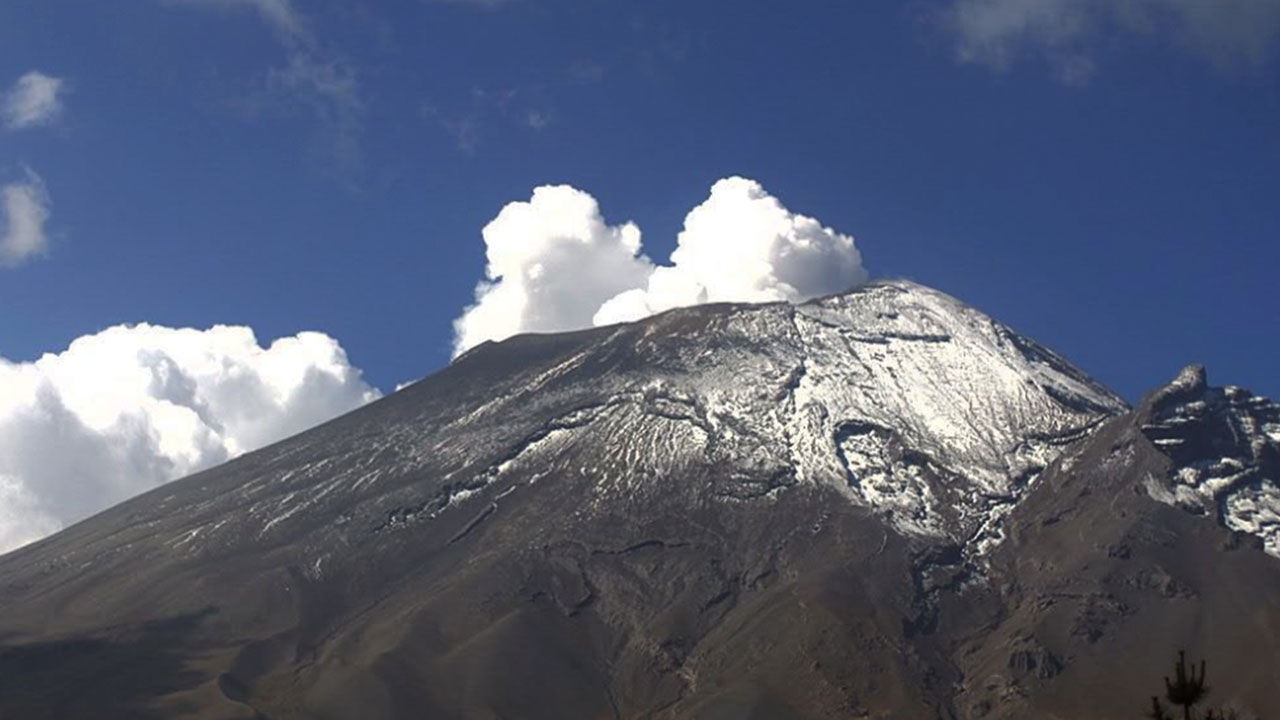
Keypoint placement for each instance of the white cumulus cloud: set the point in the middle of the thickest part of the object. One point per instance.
(555, 264)
(1069, 33)
(552, 262)
(132, 407)
(35, 99)
(743, 245)
(24, 209)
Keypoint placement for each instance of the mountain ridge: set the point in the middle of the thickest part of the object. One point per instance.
(699, 515)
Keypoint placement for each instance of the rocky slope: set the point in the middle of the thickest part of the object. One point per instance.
(879, 504)
(1122, 554)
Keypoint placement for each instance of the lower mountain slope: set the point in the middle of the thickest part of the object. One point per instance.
(879, 504)
(1111, 565)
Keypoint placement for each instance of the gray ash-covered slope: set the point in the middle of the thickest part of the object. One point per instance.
(879, 504)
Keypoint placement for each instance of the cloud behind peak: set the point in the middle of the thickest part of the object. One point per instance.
(555, 263)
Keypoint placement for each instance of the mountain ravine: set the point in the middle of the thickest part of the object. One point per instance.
(881, 504)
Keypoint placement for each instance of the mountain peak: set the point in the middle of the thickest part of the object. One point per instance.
(899, 396)
(1225, 445)
(724, 510)
(1190, 383)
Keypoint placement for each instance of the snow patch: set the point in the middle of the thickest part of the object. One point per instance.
(1256, 510)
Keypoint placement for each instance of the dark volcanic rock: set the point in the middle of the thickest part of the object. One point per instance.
(881, 504)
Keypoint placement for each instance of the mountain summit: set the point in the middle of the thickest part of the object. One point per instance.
(876, 504)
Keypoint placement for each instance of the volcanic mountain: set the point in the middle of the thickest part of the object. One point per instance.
(881, 504)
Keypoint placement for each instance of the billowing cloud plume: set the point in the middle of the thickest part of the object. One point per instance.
(743, 245)
(35, 99)
(554, 263)
(1067, 33)
(133, 407)
(24, 209)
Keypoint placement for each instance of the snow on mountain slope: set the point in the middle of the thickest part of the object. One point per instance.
(907, 401)
(925, 396)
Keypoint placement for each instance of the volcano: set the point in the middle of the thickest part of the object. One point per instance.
(879, 504)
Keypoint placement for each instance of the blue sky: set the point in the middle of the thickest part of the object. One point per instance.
(1110, 191)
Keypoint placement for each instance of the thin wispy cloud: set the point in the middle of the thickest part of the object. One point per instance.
(511, 107)
(24, 210)
(1072, 35)
(537, 119)
(281, 14)
(35, 99)
(331, 89)
(321, 80)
